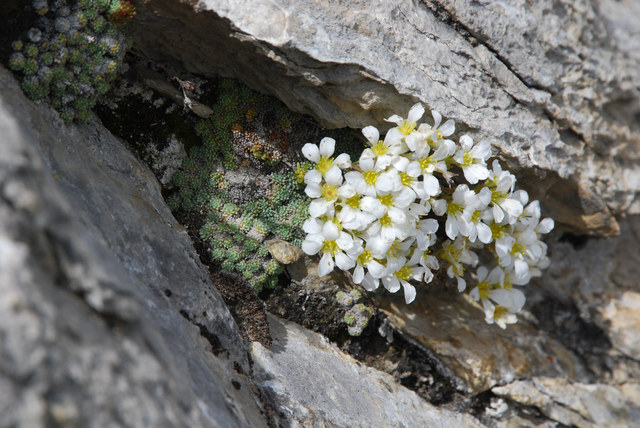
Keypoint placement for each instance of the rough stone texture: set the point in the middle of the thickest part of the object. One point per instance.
(551, 85)
(316, 385)
(576, 404)
(97, 279)
(478, 355)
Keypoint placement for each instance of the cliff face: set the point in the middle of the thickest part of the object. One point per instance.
(552, 86)
(110, 318)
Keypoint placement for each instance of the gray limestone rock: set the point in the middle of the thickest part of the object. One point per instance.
(577, 404)
(551, 85)
(316, 385)
(109, 319)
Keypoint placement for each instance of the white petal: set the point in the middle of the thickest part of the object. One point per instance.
(448, 128)
(376, 269)
(345, 241)
(482, 150)
(404, 198)
(462, 284)
(313, 176)
(343, 161)
(384, 183)
(343, 261)
(395, 119)
(371, 133)
(369, 283)
(311, 247)
(311, 152)
(451, 227)
(439, 206)
(313, 190)
(437, 118)
(391, 283)
(330, 231)
(484, 232)
(476, 172)
(317, 207)
(358, 274)
(513, 208)
(312, 226)
(415, 113)
(326, 265)
(431, 185)
(409, 292)
(545, 225)
(327, 146)
(333, 176)
(466, 142)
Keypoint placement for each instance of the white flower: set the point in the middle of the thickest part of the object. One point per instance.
(399, 275)
(479, 229)
(321, 156)
(328, 239)
(351, 215)
(364, 258)
(457, 254)
(459, 211)
(407, 126)
(385, 151)
(327, 193)
(438, 133)
(501, 184)
(373, 178)
(472, 159)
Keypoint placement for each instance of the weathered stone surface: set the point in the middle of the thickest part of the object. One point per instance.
(105, 305)
(316, 385)
(480, 356)
(551, 86)
(577, 404)
(601, 277)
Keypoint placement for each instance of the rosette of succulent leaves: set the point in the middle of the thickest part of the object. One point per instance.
(72, 53)
(417, 201)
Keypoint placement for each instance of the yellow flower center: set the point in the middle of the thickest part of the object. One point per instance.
(386, 200)
(476, 216)
(407, 127)
(329, 192)
(453, 208)
(497, 230)
(395, 249)
(483, 290)
(324, 164)
(330, 247)
(518, 249)
(406, 179)
(354, 201)
(386, 221)
(404, 273)
(379, 148)
(370, 177)
(467, 159)
(425, 163)
(497, 196)
(365, 257)
(499, 312)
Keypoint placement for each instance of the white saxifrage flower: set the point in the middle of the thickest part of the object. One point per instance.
(382, 217)
(472, 159)
(327, 239)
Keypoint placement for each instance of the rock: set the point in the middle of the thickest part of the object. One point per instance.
(577, 404)
(600, 277)
(554, 90)
(315, 385)
(109, 318)
(480, 356)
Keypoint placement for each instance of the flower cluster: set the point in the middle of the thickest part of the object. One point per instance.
(417, 202)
